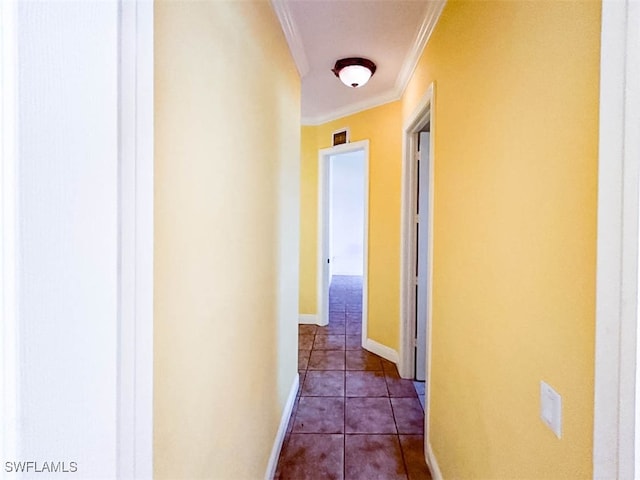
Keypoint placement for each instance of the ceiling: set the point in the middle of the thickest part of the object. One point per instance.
(391, 33)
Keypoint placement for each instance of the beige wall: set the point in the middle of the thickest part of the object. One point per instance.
(227, 142)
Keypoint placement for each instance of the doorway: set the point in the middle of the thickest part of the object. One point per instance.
(422, 242)
(343, 226)
(417, 250)
(417, 241)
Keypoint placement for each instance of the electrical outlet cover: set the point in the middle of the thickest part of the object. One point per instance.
(551, 408)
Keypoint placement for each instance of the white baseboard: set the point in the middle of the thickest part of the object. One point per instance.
(433, 463)
(308, 319)
(382, 350)
(282, 429)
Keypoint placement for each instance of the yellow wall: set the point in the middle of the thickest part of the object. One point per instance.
(308, 221)
(381, 127)
(226, 237)
(515, 234)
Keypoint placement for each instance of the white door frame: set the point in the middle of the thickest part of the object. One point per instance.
(135, 218)
(324, 158)
(423, 114)
(616, 355)
(135, 312)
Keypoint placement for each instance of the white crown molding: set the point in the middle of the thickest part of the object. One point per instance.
(432, 15)
(351, 108)
(294, 40)
(434, 10)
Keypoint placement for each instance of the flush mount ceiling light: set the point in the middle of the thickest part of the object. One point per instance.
(354, 72)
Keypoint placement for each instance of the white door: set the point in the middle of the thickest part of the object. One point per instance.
(422, 256)
(325, 225)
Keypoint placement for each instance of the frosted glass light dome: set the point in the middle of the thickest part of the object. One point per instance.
(354, 72)
(355, 75)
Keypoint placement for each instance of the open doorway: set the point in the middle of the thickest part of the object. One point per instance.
(346, 214)
(417, 252)
(346, 239)
(422, 241)
(343, 204)
(417, 242)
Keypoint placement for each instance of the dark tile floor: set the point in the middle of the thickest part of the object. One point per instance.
(354, 418)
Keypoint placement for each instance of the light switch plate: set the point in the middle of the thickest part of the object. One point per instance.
(551, 408)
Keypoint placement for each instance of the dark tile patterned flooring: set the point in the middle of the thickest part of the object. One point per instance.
(354, 417)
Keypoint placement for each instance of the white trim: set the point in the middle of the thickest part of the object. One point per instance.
(423, 112)
(414, 123)
(632, 153)
(323, 271)
(135, 309)
(429, 22)
(381, 350)
(282, 429)
(323, 242)
(617, 249)
(307, 319)
(365, 249)
(144, 242)
(290, 30)
(9, 364)
(432, 462)
(352, 108)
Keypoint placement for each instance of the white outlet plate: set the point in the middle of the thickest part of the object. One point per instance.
(551, 408)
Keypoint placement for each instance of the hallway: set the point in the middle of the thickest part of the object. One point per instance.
(354, 418)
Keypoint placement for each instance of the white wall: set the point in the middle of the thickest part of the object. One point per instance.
(67, 236)
(347, 213)
(617, 384)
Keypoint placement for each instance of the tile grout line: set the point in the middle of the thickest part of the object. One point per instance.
(395, 421)
(344, 414)
(344, 411)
